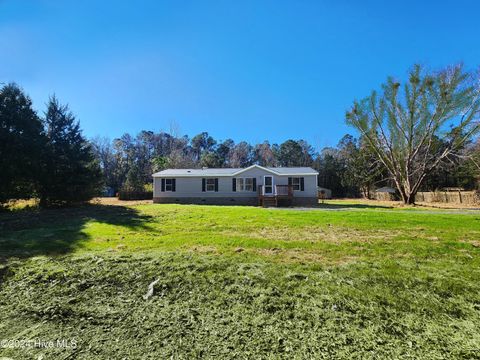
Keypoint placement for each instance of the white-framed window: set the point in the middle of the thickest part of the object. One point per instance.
(168, 184)
(295, 183)
(245, 184)
(209, 184)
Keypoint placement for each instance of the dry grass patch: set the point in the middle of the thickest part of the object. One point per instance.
(114, 201)
(204, 249)
(301, 256)
(475, 243)
(448, 206)
(330, 234)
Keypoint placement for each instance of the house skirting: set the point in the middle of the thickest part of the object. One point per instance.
(253, 201)
(207, 200)
(304, 201)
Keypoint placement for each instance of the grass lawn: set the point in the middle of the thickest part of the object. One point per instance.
(351, 280)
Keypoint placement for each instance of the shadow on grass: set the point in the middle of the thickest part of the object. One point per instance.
(59, 231)
(340, 206)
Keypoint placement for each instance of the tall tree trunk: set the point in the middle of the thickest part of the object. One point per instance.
(408, 197)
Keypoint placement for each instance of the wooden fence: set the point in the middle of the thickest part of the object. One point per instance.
(454, 197)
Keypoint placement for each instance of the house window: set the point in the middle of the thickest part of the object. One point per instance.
(295, 183)
(245, 184)
(210, 185)
(168, 184)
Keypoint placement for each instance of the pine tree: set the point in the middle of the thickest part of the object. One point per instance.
(21, 141)
(134, 180)
(71, 174)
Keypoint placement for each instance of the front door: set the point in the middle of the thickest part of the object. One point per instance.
(267, 185)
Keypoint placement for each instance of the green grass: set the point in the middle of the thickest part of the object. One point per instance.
(362, 282)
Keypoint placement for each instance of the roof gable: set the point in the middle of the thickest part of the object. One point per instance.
(271, 171)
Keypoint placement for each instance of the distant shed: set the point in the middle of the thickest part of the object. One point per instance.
(324, 193)
(386, 189)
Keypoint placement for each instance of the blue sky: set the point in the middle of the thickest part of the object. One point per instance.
(247, 70)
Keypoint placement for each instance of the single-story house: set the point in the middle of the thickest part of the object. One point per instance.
(254, 185)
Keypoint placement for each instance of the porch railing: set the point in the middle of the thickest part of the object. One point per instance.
(278, 190)
(284, 190)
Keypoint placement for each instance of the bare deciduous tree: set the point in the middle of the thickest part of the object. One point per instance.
(413, 131)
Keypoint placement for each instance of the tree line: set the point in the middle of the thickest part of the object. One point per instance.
(129, 161)
(44, 156)
(349, 169)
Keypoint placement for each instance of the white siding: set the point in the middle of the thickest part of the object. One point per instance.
(192, 186)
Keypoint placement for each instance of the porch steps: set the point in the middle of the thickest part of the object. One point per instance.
(281, 195)
(268, 201)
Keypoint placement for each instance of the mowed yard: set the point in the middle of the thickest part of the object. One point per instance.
(349, 280)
